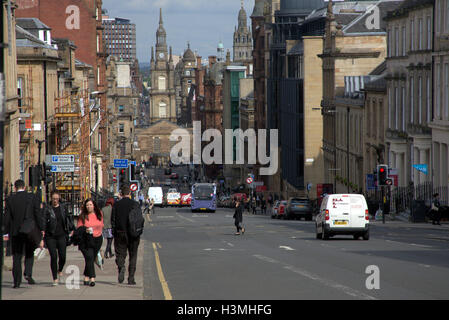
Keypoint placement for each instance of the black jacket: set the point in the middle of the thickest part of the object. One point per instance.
(82, 239)
(51, 221)
(15, 209)
(238, 215)
(120, 214)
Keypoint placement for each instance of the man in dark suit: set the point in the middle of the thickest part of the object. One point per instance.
(123, 242)
(15, 209)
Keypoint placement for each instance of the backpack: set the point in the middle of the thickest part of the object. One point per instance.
(135, 222)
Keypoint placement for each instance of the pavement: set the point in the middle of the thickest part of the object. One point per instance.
(107, 286)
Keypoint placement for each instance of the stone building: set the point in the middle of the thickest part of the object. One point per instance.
(162, 93)
(440, 121)
(185, 80)
(352, 47)
(409, 83)
(243, 41)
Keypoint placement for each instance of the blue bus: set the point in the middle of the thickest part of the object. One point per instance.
(204, 197)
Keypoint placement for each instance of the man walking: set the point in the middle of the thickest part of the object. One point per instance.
(123, 241)
(15, 213)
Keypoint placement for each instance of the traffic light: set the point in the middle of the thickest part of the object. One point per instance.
(132, 172)
(47, 176)
(34, 176)
(123, 177)
(382, 175)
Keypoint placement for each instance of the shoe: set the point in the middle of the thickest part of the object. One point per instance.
(92, 284)
(243, 230)
(55, 283)
(132, 282)
(111, 255)
(106, 256)
(30, 280)
(86, 283)
(16, 285)
(237, 233)
(121, 275)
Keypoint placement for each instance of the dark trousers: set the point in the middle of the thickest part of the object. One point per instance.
(19, 245)
(436, 216)
(238, 225)
(109, 246)
(123, 245)
(57, 246)
(90, 254)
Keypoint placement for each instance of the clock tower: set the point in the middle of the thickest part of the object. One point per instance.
(162, 92)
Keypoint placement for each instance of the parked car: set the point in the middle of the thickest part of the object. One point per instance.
(167, 171)
(298, 208)
(345, 214)
(274, 210)
(167, 182)
(174, 175)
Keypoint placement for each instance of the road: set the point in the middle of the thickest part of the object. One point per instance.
(198, 257)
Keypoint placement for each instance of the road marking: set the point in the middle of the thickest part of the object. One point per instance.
(218, 249)
(286, 248)
(159, 245)
(329, 283)
(182, 217)
(164, 217)
(420, 245)
(165, 288)
(424, 265)
(201, 216)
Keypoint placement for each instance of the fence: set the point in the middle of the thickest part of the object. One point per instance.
(399, 199)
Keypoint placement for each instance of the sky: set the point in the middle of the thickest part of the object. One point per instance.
(203, 23)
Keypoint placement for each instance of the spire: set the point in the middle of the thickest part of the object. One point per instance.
(161, 22)
(171, 55)
(152, 53)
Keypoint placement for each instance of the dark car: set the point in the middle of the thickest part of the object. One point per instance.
(298, 208)
(174, 175)
(167, 171)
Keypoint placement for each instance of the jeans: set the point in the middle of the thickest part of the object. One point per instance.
(57, 246)
(124, 245)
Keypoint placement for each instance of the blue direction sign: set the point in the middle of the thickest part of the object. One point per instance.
(421, 168)
(370, 185)
(120, 163)
(133, 162)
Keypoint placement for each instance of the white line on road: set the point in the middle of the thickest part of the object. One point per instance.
(164, 217)
(286, 248)
(420, 245)
(329, 283)
(182, 217)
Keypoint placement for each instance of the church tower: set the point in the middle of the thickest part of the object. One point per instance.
(162, 93)
(243, 40)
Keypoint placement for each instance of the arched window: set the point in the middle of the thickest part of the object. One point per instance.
(162, 83)
(162, 110)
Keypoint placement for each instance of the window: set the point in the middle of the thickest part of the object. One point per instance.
(429, 33)
(162, 83)
(396, 44)
(162, 110)
(121, 128)
(446, 91)
(447, 16)
(157, 145)
(412, 35)
(403, 109)
(404, 41)
(428, 100)
(396, 108)
(420, 100)
(390, 108)
(390, 43)
(420, 34)
(121, 108)
(412, 99)
(20, 92)
(438, 92)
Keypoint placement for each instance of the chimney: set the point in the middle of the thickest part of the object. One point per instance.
(212, 60)
(198, 61)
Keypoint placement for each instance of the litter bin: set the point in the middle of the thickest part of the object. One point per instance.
(419, 211)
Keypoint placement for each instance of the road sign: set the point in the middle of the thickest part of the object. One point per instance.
(63, 168)
(249, 180)
(258, 183)
(133, 187)
(120, 163)
(421, 168)
(132, 162)
(65, 158)
(389, 182)
(370, 185)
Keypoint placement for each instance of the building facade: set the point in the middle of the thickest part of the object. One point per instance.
(119, 37)
(243, 41)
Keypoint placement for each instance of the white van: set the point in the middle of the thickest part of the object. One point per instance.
(157, 194)
(345, 214)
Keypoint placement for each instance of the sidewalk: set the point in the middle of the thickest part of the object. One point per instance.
(107, 286)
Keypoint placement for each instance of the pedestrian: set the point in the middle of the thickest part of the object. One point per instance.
(247, 204)
(151, 208)
(58, 228)
(435, 209)
(19, 209)
(254, 205)
(238, 217)
(91, 223)
(141, 199)
(123, 241)
(107, 229)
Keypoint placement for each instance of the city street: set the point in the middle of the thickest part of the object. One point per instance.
(198, 257)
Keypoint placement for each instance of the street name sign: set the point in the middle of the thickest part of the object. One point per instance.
(63, 168)
(65, 158)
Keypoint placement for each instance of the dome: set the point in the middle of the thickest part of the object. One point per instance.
(189, 55)
(221, 45)
(300, 6)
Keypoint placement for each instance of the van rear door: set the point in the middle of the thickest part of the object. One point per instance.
(358, 206)
(339, 211)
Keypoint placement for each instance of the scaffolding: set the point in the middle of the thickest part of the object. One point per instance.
(72, 125)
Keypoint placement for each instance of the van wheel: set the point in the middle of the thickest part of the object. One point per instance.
(325, 234)
(366, 235)
(356, 236)
(318, 235)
